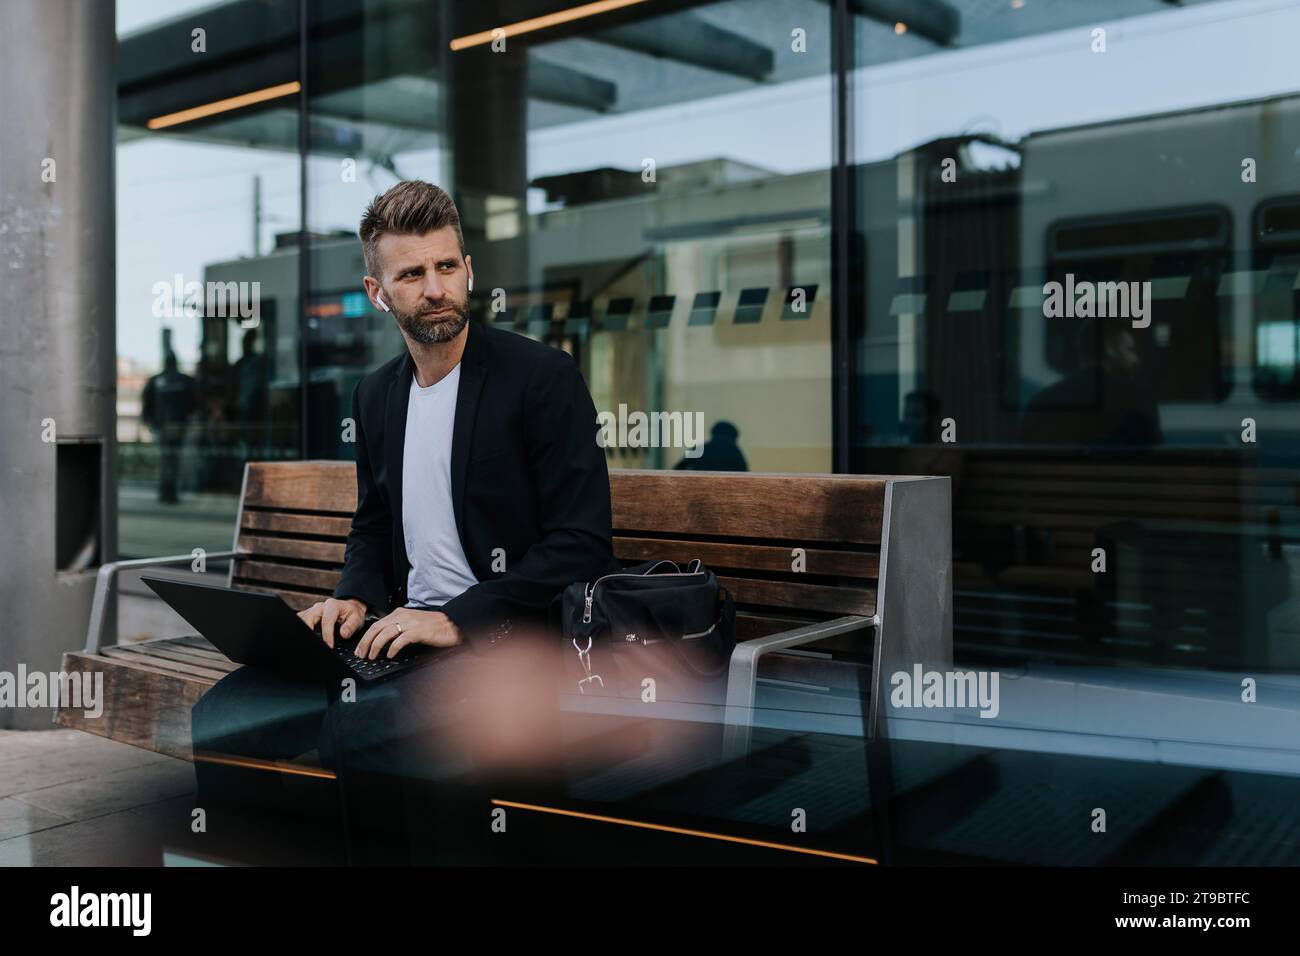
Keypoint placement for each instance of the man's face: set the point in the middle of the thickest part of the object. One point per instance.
(425, 282)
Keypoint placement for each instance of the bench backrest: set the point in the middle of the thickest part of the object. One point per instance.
(790, 547)
(293, 524)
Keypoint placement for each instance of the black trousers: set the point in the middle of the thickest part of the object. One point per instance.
(418, 758)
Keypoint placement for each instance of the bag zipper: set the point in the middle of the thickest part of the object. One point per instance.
(590, 591)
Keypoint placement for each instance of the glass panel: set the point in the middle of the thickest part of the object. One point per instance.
(378, 114)
(649, 190)
(1079, 252)
(207, 268)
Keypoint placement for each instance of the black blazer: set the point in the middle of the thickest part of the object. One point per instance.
(527, 477)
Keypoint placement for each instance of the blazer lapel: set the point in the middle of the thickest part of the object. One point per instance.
(399, 399)
(472, 373)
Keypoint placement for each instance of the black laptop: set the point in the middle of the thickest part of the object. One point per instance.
(254, 628)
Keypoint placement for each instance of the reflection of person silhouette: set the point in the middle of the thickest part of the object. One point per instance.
(1107, 401)
(721, 452)
(921, 417)
(169, 400)
(250, 383)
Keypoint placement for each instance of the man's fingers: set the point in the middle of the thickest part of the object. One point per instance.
(364, 644)
(311, 616)
(396, 647)
(350, 622)
(328, 619)
(380, 639)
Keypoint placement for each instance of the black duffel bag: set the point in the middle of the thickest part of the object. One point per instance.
(652, 622)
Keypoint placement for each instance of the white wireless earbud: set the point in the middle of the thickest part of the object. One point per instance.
(471, 283)
(382, 304)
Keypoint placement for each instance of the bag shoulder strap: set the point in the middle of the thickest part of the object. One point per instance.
(726, 623)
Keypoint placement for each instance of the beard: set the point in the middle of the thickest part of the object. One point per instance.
(427, 330)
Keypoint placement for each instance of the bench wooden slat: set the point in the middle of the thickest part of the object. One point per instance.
(295, 599)
(328, 552)
(160, 659)
(330, 526)
(175, 650)
(196, 641)
(205, 651)
(811, 597)
(818, 561)
(178, 653)
(302, 578)
(307, 485)
(786, 508)
(751, 624)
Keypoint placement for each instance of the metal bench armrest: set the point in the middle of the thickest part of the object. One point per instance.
(108, 576)
(742, 678)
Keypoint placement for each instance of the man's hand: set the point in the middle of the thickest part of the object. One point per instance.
(348, 614)
(408, 626)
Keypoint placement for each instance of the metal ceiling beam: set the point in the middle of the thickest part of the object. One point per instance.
(687, 38)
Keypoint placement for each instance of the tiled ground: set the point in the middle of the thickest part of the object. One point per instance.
(71, 798)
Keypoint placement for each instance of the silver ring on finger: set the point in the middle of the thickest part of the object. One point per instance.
(399, 628)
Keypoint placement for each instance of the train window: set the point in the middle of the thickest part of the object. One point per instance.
(1169, 231)
(1183, 254)
(1274, 300)
(1278, 221)
(1276, 349)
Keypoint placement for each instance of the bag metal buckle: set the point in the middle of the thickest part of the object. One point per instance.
(584, 656)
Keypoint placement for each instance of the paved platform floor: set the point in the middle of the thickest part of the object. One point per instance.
(69, 798)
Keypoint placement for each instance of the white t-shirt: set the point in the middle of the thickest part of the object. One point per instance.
(439, 569)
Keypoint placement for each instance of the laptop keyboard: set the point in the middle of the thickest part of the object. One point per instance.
(367, 668)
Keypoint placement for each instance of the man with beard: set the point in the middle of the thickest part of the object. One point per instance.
(481, 493)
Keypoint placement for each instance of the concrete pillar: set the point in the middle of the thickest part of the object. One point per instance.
(57, 327)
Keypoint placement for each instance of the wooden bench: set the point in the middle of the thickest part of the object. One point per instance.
(874, 593)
